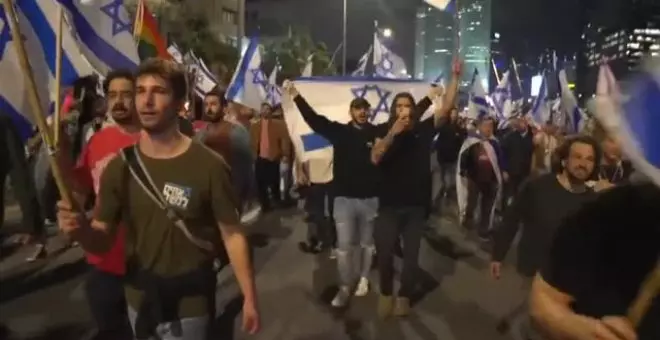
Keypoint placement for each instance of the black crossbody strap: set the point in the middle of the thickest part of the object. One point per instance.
(142, 177)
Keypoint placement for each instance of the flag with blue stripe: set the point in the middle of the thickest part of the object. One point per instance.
(204, 80)
(478, 105)
(540, 112)
(331, 97)
(569, 105)
(636, 121)
(14, 100)
(248, 85)
(105, 33)
(387, 64)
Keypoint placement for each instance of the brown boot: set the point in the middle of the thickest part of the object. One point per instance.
(385, 305)
(402, 307)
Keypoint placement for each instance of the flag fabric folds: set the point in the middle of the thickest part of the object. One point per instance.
(387, 64)
(150, 43)
(247, 86)
(104, 31)
(379, 93)
(636, 121)
(478, 105)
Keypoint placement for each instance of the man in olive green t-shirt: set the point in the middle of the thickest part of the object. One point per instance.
(170, 283)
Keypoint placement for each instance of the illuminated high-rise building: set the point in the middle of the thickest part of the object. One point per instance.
(434, 43)
(436, 36)
(475, 38)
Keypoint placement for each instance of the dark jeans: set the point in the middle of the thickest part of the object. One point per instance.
(485, 194)
(14, 165)
(267, 173)
(105, 295)
(319, 207)
(511, 188)
(393, 225)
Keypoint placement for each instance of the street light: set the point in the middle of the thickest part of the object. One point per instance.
(387, 33)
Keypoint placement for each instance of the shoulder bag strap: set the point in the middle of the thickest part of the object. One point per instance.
(142, 177)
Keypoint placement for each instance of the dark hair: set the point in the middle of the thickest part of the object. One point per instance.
(217, 93)
(172, 72)
(561, 153)
(117, 74)
(408, 96)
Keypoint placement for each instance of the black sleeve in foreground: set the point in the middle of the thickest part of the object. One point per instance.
(318, 123)
(576, 255)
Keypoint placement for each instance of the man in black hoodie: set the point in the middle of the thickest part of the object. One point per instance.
(517, 148)
(403, 155)
(355, 188)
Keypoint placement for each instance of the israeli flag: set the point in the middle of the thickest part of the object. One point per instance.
(387, 64)
(540, 113)
(606, 84)
(502, 97)
(443, 5)
(478, 105)
(248, 85)
(175, 52)
(14, 100)
(42, 16)
(331, 97)
(569, 106)
(204, 80)
(273, 92)
(636, 121)
(105, 32)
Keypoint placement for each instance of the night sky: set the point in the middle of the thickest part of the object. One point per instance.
(527, 27)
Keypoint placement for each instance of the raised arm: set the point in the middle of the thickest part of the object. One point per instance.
(441, 115)
(320, 124)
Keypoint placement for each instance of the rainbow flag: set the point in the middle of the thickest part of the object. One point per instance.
(150, 43)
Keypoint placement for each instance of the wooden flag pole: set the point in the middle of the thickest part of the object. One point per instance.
(137, 23)
(58, 76)
(33, 98)
(650, 289)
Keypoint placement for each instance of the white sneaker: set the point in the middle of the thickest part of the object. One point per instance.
(333, 253)
(362, 288)
(342, 297)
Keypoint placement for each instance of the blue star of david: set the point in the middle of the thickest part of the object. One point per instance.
(385, 63)
(5, 34)
(272, 94)
(259, 78)
(383, 95)
(113, 10)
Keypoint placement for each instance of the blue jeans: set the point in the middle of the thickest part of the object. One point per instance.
(354, 221)
(185, 329)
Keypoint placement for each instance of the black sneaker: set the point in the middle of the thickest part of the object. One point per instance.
(310, 247)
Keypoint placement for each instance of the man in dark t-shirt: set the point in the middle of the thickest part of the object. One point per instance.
(597, 264)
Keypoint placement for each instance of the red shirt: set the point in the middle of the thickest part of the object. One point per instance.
(199, 125)
(99, 151)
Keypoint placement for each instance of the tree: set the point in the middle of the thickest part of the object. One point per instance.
(292, 53)
(190, 30)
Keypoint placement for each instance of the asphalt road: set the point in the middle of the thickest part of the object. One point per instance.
(457, 300)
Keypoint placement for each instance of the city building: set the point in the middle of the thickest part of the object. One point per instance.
(622, 41)
(434, 42)
(475, 39)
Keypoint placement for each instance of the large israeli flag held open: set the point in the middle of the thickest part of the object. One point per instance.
(635, 119)
(331, 97)
(105, 32)
(14, 100)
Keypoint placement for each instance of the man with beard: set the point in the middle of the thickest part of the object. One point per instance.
(540, 207)
(354, 187)
(104, 288)
(403, 156)
(175, 215)
(230, 140)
